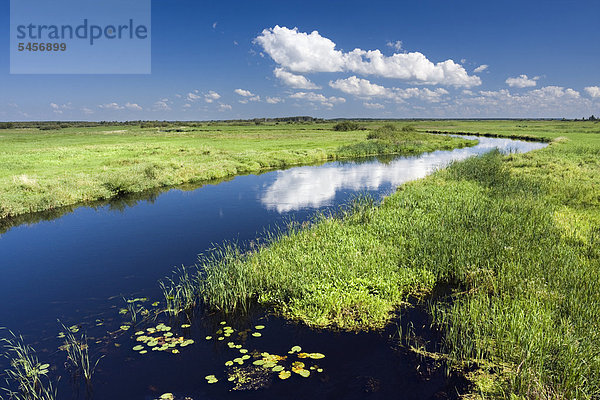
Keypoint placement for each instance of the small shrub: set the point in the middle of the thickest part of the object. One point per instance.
(346, 126)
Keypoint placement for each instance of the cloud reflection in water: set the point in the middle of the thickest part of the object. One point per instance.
(316, 186)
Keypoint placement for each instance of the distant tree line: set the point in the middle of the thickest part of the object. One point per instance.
(54, 125)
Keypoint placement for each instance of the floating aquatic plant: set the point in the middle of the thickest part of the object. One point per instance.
(160, 338)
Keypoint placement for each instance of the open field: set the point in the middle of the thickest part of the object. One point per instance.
(516, 237)
(46, 169)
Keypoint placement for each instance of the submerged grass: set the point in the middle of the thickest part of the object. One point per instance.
(517, 236)
(78, 356)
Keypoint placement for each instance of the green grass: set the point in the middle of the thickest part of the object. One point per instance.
(27, 377)
(42, 170)
(516, 236)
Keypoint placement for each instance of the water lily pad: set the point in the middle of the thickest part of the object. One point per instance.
(257, 334)
(303, 373)
(259, 327)
(208, 337)
(125, 327)
(223, 322)
(152, 343)
(138, 348)
(278, 368)
(238, 346)
(228, 363)
(316, 356)
(243, 351)
(143, 351)
(295, 349)
(139, 333)
(168, 334)
(297, 365)
(269, 364)
(319, 369)
(220, 338)
(175, 351)
(284, 374)
(167, 396)
(303, 355)
(259, 362)
(245, 357)
(185, 326)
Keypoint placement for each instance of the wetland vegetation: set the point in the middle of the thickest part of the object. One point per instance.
(44, 166)
(514, 237)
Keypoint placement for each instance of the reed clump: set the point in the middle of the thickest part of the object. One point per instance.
(27, 378)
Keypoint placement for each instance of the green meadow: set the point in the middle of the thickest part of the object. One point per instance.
(43, 169)
(515, 237)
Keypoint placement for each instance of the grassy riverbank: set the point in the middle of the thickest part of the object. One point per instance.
(516, 236)
(50, 168)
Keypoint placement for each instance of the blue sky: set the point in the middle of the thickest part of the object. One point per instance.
(388, 59)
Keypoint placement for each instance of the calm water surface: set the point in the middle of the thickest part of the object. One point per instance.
(80, 266)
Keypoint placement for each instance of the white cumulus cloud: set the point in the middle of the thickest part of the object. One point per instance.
(274, 100)
(592, 91)
(133, 107)
(161, 105)
(111, 106)
(363, 88)
(397, 45)
(224, 107)
(242, 92)
(481, 68)
(293, 80)
(192, 96)
(305, 53)
(359, 87)
(522, 81)
(211, 96)
(248, 96)
(318, 98)
(374, 106)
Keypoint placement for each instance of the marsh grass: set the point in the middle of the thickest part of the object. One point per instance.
(516, 236)
(78, 357)
(26, 378)
(180, 291)
(47, 169)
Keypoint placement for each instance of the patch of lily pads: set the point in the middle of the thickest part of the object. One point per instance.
(250, 369)
(160, 338)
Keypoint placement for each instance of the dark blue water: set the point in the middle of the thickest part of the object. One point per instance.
(77, 267)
